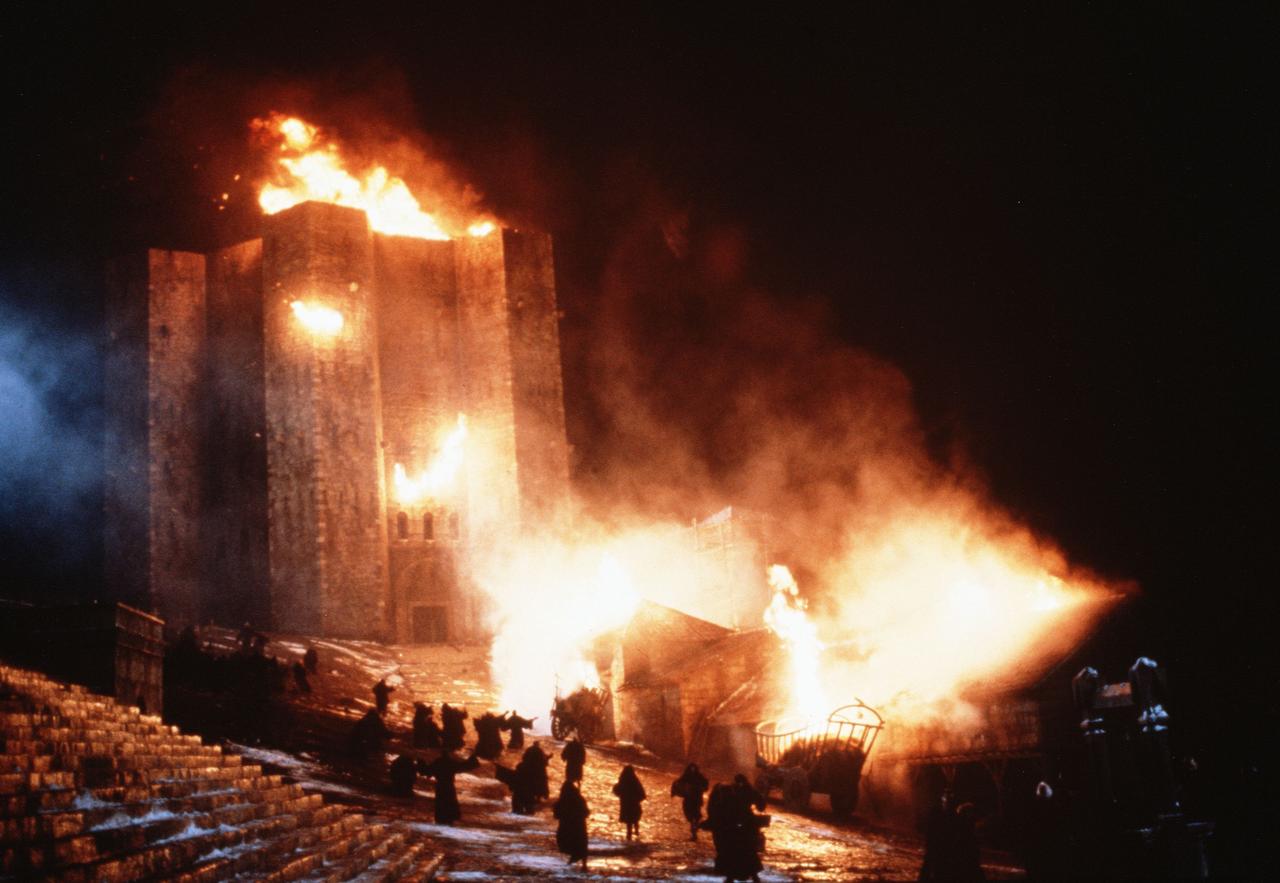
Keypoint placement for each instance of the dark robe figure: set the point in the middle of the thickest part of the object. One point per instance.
(1043, 851)
(443, 769)
(247, 638)
(574, 756)
(736, 829)
(453, 731)
(630, 793)
(535, 761)
(571, 832)
(516, 725)
(689, 788)
(369, 735)
(300, 677)
(381, 695)
(426, 732)
(966, 856)
(403, 773)
(951, 843)
(488, 736)
(311, 659)
(528, 781)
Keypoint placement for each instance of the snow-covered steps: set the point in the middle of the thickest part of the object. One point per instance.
(91, 790)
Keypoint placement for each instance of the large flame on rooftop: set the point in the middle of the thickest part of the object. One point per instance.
(310, 167)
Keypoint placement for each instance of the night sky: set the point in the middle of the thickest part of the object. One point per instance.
(1058, 225)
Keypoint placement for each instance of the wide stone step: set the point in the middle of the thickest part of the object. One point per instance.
(52, 800)
(301, 848)
(63, 823)
(169, 857)
(424, 868)
(124, 834)
(378, 845)
(123, 748)
(401, 862)
(87, 733)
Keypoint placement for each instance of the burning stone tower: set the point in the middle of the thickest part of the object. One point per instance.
(262, 401)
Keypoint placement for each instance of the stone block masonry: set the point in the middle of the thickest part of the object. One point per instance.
(327, 531)
(155, 306)
(251, 456)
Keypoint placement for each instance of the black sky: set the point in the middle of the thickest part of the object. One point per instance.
(1059, 224)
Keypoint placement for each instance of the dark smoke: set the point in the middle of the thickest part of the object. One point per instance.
(50, 443)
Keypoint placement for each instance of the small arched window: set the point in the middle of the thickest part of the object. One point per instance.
(428, 526)
(402, 525)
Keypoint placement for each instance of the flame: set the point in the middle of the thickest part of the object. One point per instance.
(554, 597)
(439, 476)
(310, 167)
(318, 319)
(937, 599)
(786, 616)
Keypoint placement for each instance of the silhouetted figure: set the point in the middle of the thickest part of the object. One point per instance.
(966, 858)
(535, 761)
(630, 793)
(527, 781)
(300, 677)
(689, 788)
(381, 695)
(516, 725)
(369, 734)
(938, 837)
(571, 832)
(951, 843)
(735, 829)
(403, 773)
(246, 639)
(426, 732)
(488, 736)
(311, 659)
(1043, 851)
(574, 756)
(443, 769)
(187, 646)
(453, 731)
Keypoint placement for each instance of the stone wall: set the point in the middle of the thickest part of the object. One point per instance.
(155, 321)
(326, 490)
(249, 460)
(542, 451)
(235, 568)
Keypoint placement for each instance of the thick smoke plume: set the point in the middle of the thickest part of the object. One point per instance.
(50, 445)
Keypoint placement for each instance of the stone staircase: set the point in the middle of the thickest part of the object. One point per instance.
(91, 790)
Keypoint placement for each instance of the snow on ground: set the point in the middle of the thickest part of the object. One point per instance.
(491, 843)
(308, 774)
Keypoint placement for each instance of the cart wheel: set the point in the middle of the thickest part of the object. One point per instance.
(762, 784)
(558, 728)
(795, 791)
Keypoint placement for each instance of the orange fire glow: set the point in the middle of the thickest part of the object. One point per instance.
(553, 598)
(310, 167)
(317, 318)
(786, 615)
(438, 478)
(927, 604)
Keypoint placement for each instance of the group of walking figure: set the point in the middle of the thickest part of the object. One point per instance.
(731, 817)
